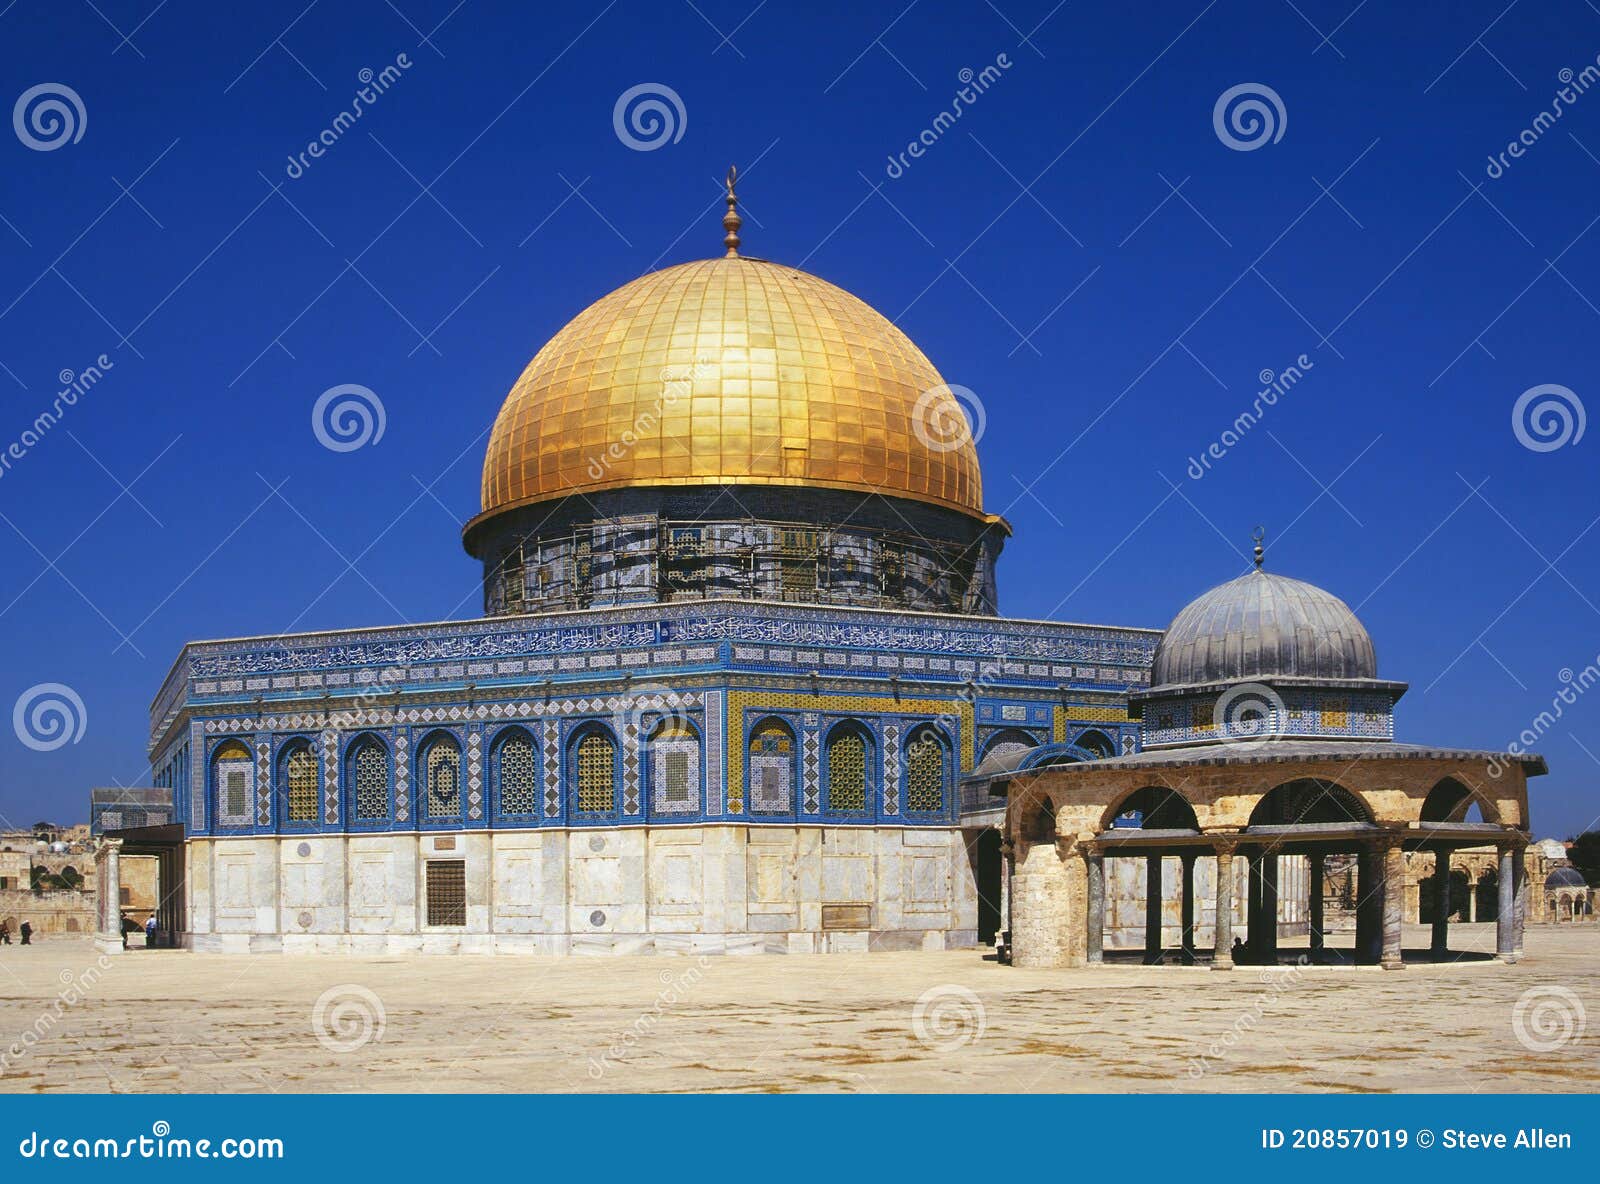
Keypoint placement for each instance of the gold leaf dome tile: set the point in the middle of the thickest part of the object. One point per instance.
(729, 371)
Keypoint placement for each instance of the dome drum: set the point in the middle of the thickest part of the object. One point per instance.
(1265, 657)
(809, 546)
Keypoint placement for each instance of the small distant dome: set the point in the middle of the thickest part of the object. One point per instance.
(1552, 849)
(1261, 625)
(1565, 877)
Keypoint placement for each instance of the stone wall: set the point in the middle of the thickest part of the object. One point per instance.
(48, 912)
(691, 889)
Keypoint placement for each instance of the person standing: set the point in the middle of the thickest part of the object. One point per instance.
(150, 932)
(27, 932)
(5, 933)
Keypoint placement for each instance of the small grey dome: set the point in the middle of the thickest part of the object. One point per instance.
(1565, 877)
(1261, 625)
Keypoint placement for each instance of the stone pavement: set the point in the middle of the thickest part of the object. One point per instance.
(170, 1021)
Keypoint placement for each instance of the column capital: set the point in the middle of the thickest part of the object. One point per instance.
(107, 845)
(1224, 844)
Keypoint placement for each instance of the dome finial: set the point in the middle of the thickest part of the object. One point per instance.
(1261, 552)
(731, 220)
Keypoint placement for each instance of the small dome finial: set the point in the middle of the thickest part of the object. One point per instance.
(1261, 552)
(731, 220)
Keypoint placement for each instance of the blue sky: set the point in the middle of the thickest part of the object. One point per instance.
(1082, 249)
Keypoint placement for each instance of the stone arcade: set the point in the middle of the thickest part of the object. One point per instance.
(1266, 736)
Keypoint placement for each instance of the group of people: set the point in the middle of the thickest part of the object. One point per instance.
(25, 930)
(129, 925)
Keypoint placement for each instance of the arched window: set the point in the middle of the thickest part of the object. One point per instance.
(441, 772)
(595, 772)
(368, 779)
(234, 783)
(770, 768)
(300, 783)
(925, 771)
(516, 772)
(1012, 740)
(1097, 742)
(848, 755)
(674, 764)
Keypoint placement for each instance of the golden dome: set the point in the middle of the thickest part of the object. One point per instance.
(730, 371)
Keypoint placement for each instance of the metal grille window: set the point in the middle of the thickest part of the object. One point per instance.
(518, 775)
(371, 781)
(847, 773)
(924, 772)
(597, 773)
(442, 766)
(447, 892)
(1336, 713)
(301, 768)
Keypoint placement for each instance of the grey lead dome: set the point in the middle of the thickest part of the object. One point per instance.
(1262, 625)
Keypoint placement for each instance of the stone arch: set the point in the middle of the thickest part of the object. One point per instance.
(1159, 807)
(1310, 800)
(1451, 801)
(1007, 741)
(1488, 895)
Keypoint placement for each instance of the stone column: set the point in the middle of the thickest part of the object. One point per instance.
(1505, 927)
(1519, 867)
(1152, 910)
(1440, 948)
(1003, 924)
(1252, 900)
(1394, 881)
(1369, 907)
(1267, 950)
(1186, 940)
(1222, 958)
(1046, 929)
(1317, 917)
(1095, 871)
(108, 889)
(1472, 901)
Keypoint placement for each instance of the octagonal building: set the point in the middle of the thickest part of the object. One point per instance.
(740, 643)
